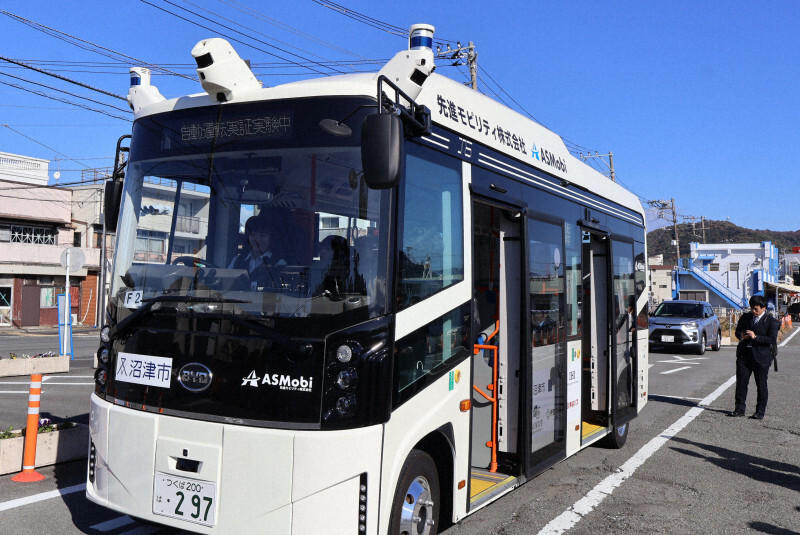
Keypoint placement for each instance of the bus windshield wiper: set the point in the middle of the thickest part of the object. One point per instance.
(142, 310)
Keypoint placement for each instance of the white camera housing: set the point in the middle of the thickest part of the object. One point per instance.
(223, 74)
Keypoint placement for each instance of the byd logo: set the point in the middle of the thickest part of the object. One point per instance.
(195, 377)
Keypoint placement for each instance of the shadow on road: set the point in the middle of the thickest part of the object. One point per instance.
(757, 468)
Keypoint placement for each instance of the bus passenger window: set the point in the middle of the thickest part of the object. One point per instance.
(431, 244)
(432, 348)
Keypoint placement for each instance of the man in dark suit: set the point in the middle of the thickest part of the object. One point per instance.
(757, 332)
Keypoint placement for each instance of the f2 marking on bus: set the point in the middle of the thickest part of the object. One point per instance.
(133, 299)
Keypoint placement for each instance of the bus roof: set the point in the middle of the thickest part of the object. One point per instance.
(472, 115)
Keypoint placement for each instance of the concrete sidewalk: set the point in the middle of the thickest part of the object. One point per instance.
(42, 330)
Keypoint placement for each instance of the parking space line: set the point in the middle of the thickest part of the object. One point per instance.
(142, 530)
(566, 520)
(114, 523)
(19, 502)
(676, 370)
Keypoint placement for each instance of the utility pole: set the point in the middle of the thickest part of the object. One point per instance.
(459, 55)
(703, 227)
(663, 205)
(610, 174)
(675, 223)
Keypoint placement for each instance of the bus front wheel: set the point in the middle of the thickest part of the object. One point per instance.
(617, 438)
(415, 509)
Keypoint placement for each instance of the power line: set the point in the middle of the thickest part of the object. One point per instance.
(64, 78)
(286, 27)
(84, 44)
(233, 38)
(65, 101)
(253, 30)
(45, 146)
(63, 91)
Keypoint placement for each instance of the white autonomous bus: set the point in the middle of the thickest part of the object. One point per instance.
(446, 303)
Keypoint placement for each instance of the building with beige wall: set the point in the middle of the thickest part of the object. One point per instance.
(36, 226)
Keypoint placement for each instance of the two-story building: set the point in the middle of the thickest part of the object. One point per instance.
(727, 274)
(36, 226)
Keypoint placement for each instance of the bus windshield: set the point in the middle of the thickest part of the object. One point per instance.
(255, 211)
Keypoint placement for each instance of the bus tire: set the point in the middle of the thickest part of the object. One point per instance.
(415, 509)
(617, 438)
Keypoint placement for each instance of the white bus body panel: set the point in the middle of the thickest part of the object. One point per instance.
(432, 408)
(271, 478)
(574, 396)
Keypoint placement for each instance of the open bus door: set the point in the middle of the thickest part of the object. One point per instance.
(596, 344)
(609, 337)
(624, 340)
(518, 401)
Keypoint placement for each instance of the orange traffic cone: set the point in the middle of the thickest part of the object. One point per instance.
(28, 473)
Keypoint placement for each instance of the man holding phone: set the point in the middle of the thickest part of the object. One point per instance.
(757, 332)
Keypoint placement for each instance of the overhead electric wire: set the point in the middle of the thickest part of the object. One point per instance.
(286, 27)
(62, 100)
(253, 30)
(64, 91)
(63, 78)
(234, 38)
(360, 17)
(45, 146)
(82, 43)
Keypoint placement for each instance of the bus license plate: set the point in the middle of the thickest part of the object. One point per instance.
(665, 338)
(187, 499)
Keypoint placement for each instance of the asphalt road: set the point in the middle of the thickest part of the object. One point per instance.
(65, 396)
(686, 469)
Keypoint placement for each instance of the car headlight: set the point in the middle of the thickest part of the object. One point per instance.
(690, 325)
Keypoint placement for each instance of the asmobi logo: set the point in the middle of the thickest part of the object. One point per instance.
(547, 157)
(284, 382)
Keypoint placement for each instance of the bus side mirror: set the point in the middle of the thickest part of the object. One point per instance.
(111, 202)
(382, 158)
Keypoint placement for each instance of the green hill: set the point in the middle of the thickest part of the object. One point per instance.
(659, 241)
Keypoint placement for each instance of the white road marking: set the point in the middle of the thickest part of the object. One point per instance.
(676, 397)
(681, 360)
(19, 502)
(788, 338)
(594, 497)
(142, 530)
(676, 370)
(114, 523)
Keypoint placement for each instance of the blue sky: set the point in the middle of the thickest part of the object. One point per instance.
(698, 100)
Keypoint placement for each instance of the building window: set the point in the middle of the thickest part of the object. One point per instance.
(713, 267)
(37, 235)
(329, 222)
(76, 239)
(5, 233)
(734, 266)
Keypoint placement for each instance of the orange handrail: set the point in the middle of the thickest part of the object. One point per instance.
(492, 399)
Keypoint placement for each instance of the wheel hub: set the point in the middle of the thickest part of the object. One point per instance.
(416, 518)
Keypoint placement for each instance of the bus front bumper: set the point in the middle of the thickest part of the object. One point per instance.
(222, 478)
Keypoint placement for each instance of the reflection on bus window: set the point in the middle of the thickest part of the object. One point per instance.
(429, 348)
(546, 283)
(432, 239)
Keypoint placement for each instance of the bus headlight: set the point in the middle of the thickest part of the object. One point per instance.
(346, 378)
(346, 405)
(104, 334)
(344, 353)
(102, 355)
(100, 377)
